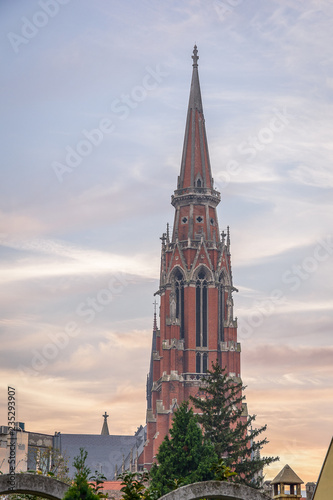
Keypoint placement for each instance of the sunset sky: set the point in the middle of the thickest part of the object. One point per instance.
(93, 105)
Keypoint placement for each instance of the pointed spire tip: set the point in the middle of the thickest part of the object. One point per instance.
(195, 57)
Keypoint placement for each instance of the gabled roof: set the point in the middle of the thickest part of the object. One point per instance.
(287, 476)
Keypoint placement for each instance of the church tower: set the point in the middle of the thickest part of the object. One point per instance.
(197, 326)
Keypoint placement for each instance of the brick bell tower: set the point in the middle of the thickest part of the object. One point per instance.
(197, 326)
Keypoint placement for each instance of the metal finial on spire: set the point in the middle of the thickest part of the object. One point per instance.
(195, 57)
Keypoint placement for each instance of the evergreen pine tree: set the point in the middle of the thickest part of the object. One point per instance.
(185, 457)
(230, 432)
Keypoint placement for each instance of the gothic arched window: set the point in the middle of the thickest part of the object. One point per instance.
(201, 310)
(179, 292)
(201, 362)
(221, 307)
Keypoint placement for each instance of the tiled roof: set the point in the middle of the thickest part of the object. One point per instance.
(288, 476)
(111, 485)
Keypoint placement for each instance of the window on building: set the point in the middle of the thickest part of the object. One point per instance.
(179, 291)
(221, 308)
(201, 362)
(201, 310)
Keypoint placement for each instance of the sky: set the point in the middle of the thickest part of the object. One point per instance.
(94, 98)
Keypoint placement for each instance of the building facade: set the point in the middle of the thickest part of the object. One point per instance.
(197, 324)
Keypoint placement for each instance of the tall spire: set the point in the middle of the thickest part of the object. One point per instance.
(195, 167)
(196, 324)
(195, 198)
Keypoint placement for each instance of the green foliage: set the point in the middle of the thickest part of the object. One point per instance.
(185, 457)
(81, 489)
(97, 483)
(230, 432)
(221, 471)
(175, 483)
(133, 485)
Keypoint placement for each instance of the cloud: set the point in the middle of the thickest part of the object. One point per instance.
(65, 259)
(320, 177)
(63, 243)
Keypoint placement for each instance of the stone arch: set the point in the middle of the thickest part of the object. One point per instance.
(176, 271)
(203, 268)
(215, 489)
(33, 484)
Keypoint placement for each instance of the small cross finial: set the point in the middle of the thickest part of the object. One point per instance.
(105, 429)
(195, 56)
